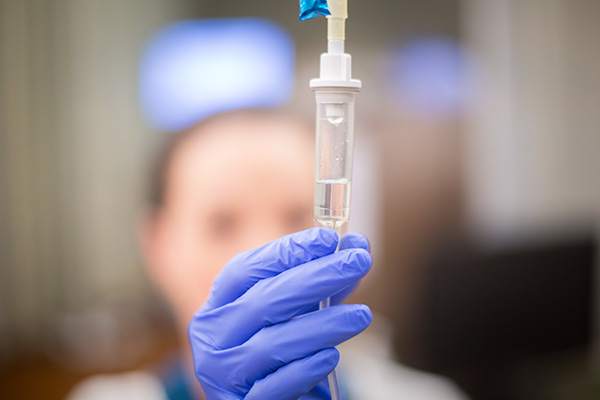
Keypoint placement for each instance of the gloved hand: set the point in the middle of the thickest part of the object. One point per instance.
(260, 335)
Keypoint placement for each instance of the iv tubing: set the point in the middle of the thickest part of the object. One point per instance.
(335, 90)
(336, 22)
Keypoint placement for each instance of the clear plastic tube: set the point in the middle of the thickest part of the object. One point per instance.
(334, 150)
(334, 153)
(335, 91)
(332, 378)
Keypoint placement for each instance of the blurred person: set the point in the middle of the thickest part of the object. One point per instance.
(249, 311)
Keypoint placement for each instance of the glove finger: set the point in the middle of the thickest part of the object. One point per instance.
(351, 240)
(278, 345)
(319, 392)
(247, 268)
(354, 240)
(295, 379)
(280, 298)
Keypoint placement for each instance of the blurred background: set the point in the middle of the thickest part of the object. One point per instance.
(477, 178)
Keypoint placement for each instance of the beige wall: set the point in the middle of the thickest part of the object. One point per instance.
(535, 128)
(72, 152)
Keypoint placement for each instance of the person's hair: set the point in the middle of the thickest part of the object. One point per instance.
(160, 169)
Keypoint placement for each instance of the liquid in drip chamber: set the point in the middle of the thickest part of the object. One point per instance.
(332, 204)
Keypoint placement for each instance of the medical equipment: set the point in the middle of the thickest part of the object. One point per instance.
(335, 91)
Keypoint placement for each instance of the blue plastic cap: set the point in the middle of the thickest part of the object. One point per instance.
(313, 8)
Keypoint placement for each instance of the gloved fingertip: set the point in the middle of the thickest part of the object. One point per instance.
(327, 236)
(329, 358)
(354, 240)
(364, 259)
(364, 312)
(355, 261)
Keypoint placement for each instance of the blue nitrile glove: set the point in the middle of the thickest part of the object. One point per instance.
(260, 336)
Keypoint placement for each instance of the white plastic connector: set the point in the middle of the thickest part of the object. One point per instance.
(336, 66)
(335, 46)
(336, 72)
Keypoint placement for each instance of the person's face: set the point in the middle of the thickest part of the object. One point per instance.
(233, 187)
